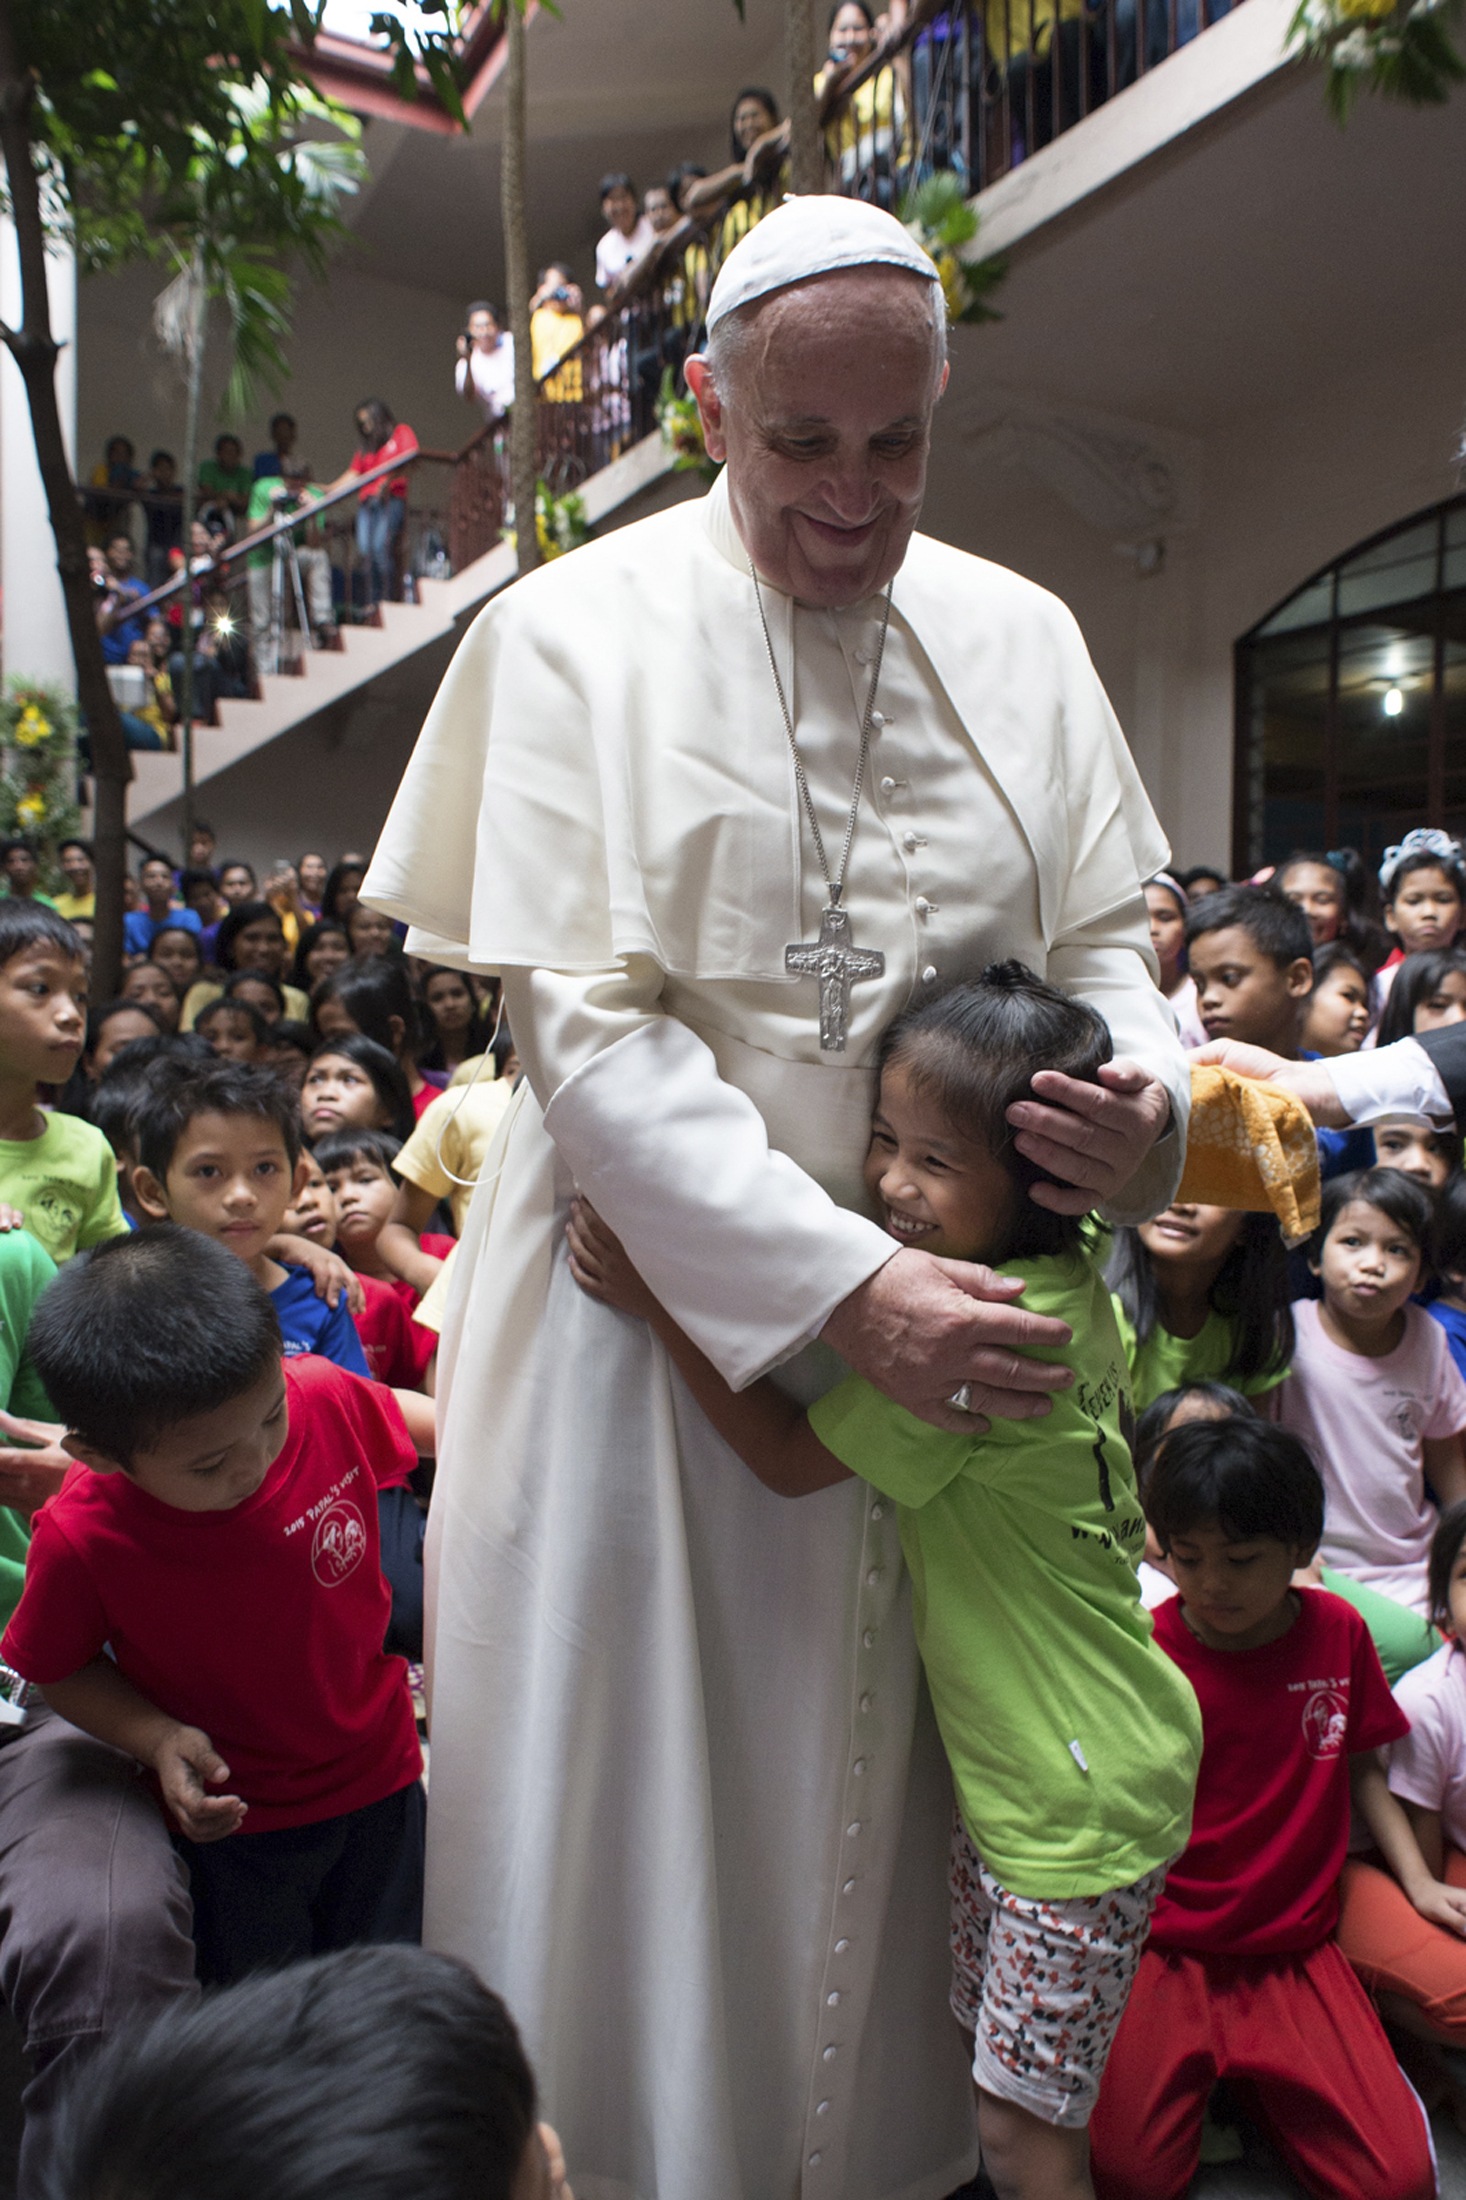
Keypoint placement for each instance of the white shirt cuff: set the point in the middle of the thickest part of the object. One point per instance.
(1394, 1080)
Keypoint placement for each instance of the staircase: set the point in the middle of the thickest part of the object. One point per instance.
(288, 698)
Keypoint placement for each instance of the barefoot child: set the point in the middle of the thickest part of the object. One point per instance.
(1073, 1742)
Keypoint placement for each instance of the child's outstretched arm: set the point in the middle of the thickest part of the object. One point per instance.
(102, 1703)
(1394, 1836)
(769, 1432)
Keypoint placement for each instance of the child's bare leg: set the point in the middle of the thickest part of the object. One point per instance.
(1027, 2159)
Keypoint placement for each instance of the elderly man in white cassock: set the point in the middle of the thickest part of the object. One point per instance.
(719, 795)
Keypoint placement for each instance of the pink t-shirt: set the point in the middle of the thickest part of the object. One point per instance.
(1364, 1421)
(1429, 1766)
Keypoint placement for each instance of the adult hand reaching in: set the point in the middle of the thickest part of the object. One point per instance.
(1309, 1082)
(1091, 1137)
(920, 1327)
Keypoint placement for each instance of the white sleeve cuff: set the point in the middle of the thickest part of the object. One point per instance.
(1394, 1080)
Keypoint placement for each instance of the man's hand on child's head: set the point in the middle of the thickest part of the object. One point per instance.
(599, 1264)
(187, 1764)
(1090, 1137)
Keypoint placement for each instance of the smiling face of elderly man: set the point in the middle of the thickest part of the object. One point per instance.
(820, 398)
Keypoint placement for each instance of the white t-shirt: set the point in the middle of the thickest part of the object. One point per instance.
(615, 253)
(493, 377)
(1428, 1767)
(1364, 1421)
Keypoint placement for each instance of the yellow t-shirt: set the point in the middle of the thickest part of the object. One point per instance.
(65, 1184)
(76, 908)
(445, 1153)
(204, 990)
(551, 335)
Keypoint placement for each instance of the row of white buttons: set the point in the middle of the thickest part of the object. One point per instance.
(874, 1576)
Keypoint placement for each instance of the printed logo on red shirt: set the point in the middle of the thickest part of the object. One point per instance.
(340, 1543)
(1326, 1718)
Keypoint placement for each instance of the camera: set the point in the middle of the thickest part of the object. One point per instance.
(284, 501)
(561, 297)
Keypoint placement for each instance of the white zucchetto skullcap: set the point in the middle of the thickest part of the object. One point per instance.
(812, 236)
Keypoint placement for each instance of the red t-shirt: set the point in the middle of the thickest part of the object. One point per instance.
(398, 443)
(1271, 1824)
(262, 1625)
(397, 1348)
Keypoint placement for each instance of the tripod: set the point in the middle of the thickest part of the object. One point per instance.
(285, 574)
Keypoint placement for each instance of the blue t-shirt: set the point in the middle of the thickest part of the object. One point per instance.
(308, 1324)
(117, 642)
(140, 927)
(1453, 1321)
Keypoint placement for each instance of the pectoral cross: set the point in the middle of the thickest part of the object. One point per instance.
(838, 966)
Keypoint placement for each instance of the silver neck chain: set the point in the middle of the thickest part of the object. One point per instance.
(834, 887)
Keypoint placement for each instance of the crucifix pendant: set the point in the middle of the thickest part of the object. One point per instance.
(838, 965)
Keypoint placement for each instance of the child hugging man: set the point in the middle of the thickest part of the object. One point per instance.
(205, 1594)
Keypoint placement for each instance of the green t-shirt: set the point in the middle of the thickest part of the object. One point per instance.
(1073, 1741)
(25, 1271)
(263, 513)
(225, 481)
(65, 1184)
(1165, 1362)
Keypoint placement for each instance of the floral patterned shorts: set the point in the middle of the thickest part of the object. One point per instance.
(1042, 1985)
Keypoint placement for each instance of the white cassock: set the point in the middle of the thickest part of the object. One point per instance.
(689, 1810)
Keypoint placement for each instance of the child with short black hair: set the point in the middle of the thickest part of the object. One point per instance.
(1373, 1390)
(1250, 952)
(1073, 1743)
(55, 1169)
(1416, 1148)
(375, 2070)
(219, 1151)
(205, 1594)
(1240, 1977)
(234, 1030)
(398, 1349)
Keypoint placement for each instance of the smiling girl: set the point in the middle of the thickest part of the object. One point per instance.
(1073, 1743)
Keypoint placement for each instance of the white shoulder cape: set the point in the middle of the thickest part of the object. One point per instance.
(604, 772)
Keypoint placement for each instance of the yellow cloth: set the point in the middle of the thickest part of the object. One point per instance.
(1251, 1145)
(551, 335)
(445, 1154)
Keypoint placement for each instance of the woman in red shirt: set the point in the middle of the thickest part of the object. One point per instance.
(383, 507)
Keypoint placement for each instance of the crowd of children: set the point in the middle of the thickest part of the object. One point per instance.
(1205, 1863)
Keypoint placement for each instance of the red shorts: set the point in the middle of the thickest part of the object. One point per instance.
(1397, 1951)
(1298, 2042)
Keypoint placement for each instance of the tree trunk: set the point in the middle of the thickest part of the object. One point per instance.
(806, 152)
(523, 471)
(33, 347)
(198, 309)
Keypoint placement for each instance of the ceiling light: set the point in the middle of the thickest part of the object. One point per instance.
(1394, 702)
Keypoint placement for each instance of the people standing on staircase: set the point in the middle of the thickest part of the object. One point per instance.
(484, 375)
(382, 509)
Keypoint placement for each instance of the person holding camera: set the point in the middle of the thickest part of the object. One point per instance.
(485, 370)
(275, 497)
(556, 325)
